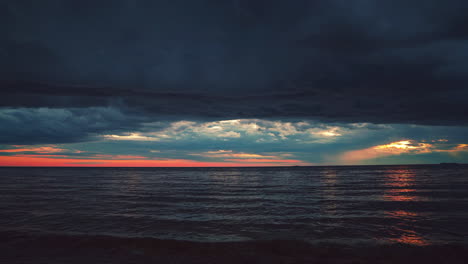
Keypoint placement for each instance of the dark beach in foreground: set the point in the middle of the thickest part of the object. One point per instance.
(29, 248)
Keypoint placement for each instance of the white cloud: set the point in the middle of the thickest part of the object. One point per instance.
(256, 130)
(233, 154)
(131, 136)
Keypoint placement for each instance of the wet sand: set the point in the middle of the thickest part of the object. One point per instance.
(28, 248)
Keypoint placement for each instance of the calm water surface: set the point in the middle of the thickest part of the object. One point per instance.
(418, 205)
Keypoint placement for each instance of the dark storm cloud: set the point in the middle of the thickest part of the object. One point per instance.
(44, 125)
(357, 61)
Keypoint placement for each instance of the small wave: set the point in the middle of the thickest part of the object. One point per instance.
(18, 247)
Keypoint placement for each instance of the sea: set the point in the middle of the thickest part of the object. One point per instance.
(415, 205)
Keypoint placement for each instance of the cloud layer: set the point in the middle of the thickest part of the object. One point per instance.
(349, 61)
(244, 142)
(60, 125)
(233, 82)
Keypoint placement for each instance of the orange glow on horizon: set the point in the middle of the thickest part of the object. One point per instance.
(47, 161)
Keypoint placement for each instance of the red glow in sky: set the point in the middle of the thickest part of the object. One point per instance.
(48, 161)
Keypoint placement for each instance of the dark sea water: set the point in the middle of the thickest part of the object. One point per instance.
(414, 205)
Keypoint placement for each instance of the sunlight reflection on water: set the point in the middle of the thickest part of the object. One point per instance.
(417, 205)
(401, 183)
(329, 178)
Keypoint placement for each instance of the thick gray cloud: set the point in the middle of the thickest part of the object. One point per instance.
(352, 61)
(45, 125)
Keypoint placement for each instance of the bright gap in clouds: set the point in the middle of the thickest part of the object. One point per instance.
(402, 147)
(250, 142)
(263, 130)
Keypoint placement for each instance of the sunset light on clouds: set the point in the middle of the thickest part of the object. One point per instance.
(136, 161)
(247, 142)
(401, 147)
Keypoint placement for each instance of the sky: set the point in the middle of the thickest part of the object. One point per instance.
(233, 83)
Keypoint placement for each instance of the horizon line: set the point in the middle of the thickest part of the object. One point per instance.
(292, 166)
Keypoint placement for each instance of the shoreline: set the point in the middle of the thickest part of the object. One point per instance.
(22, 247)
